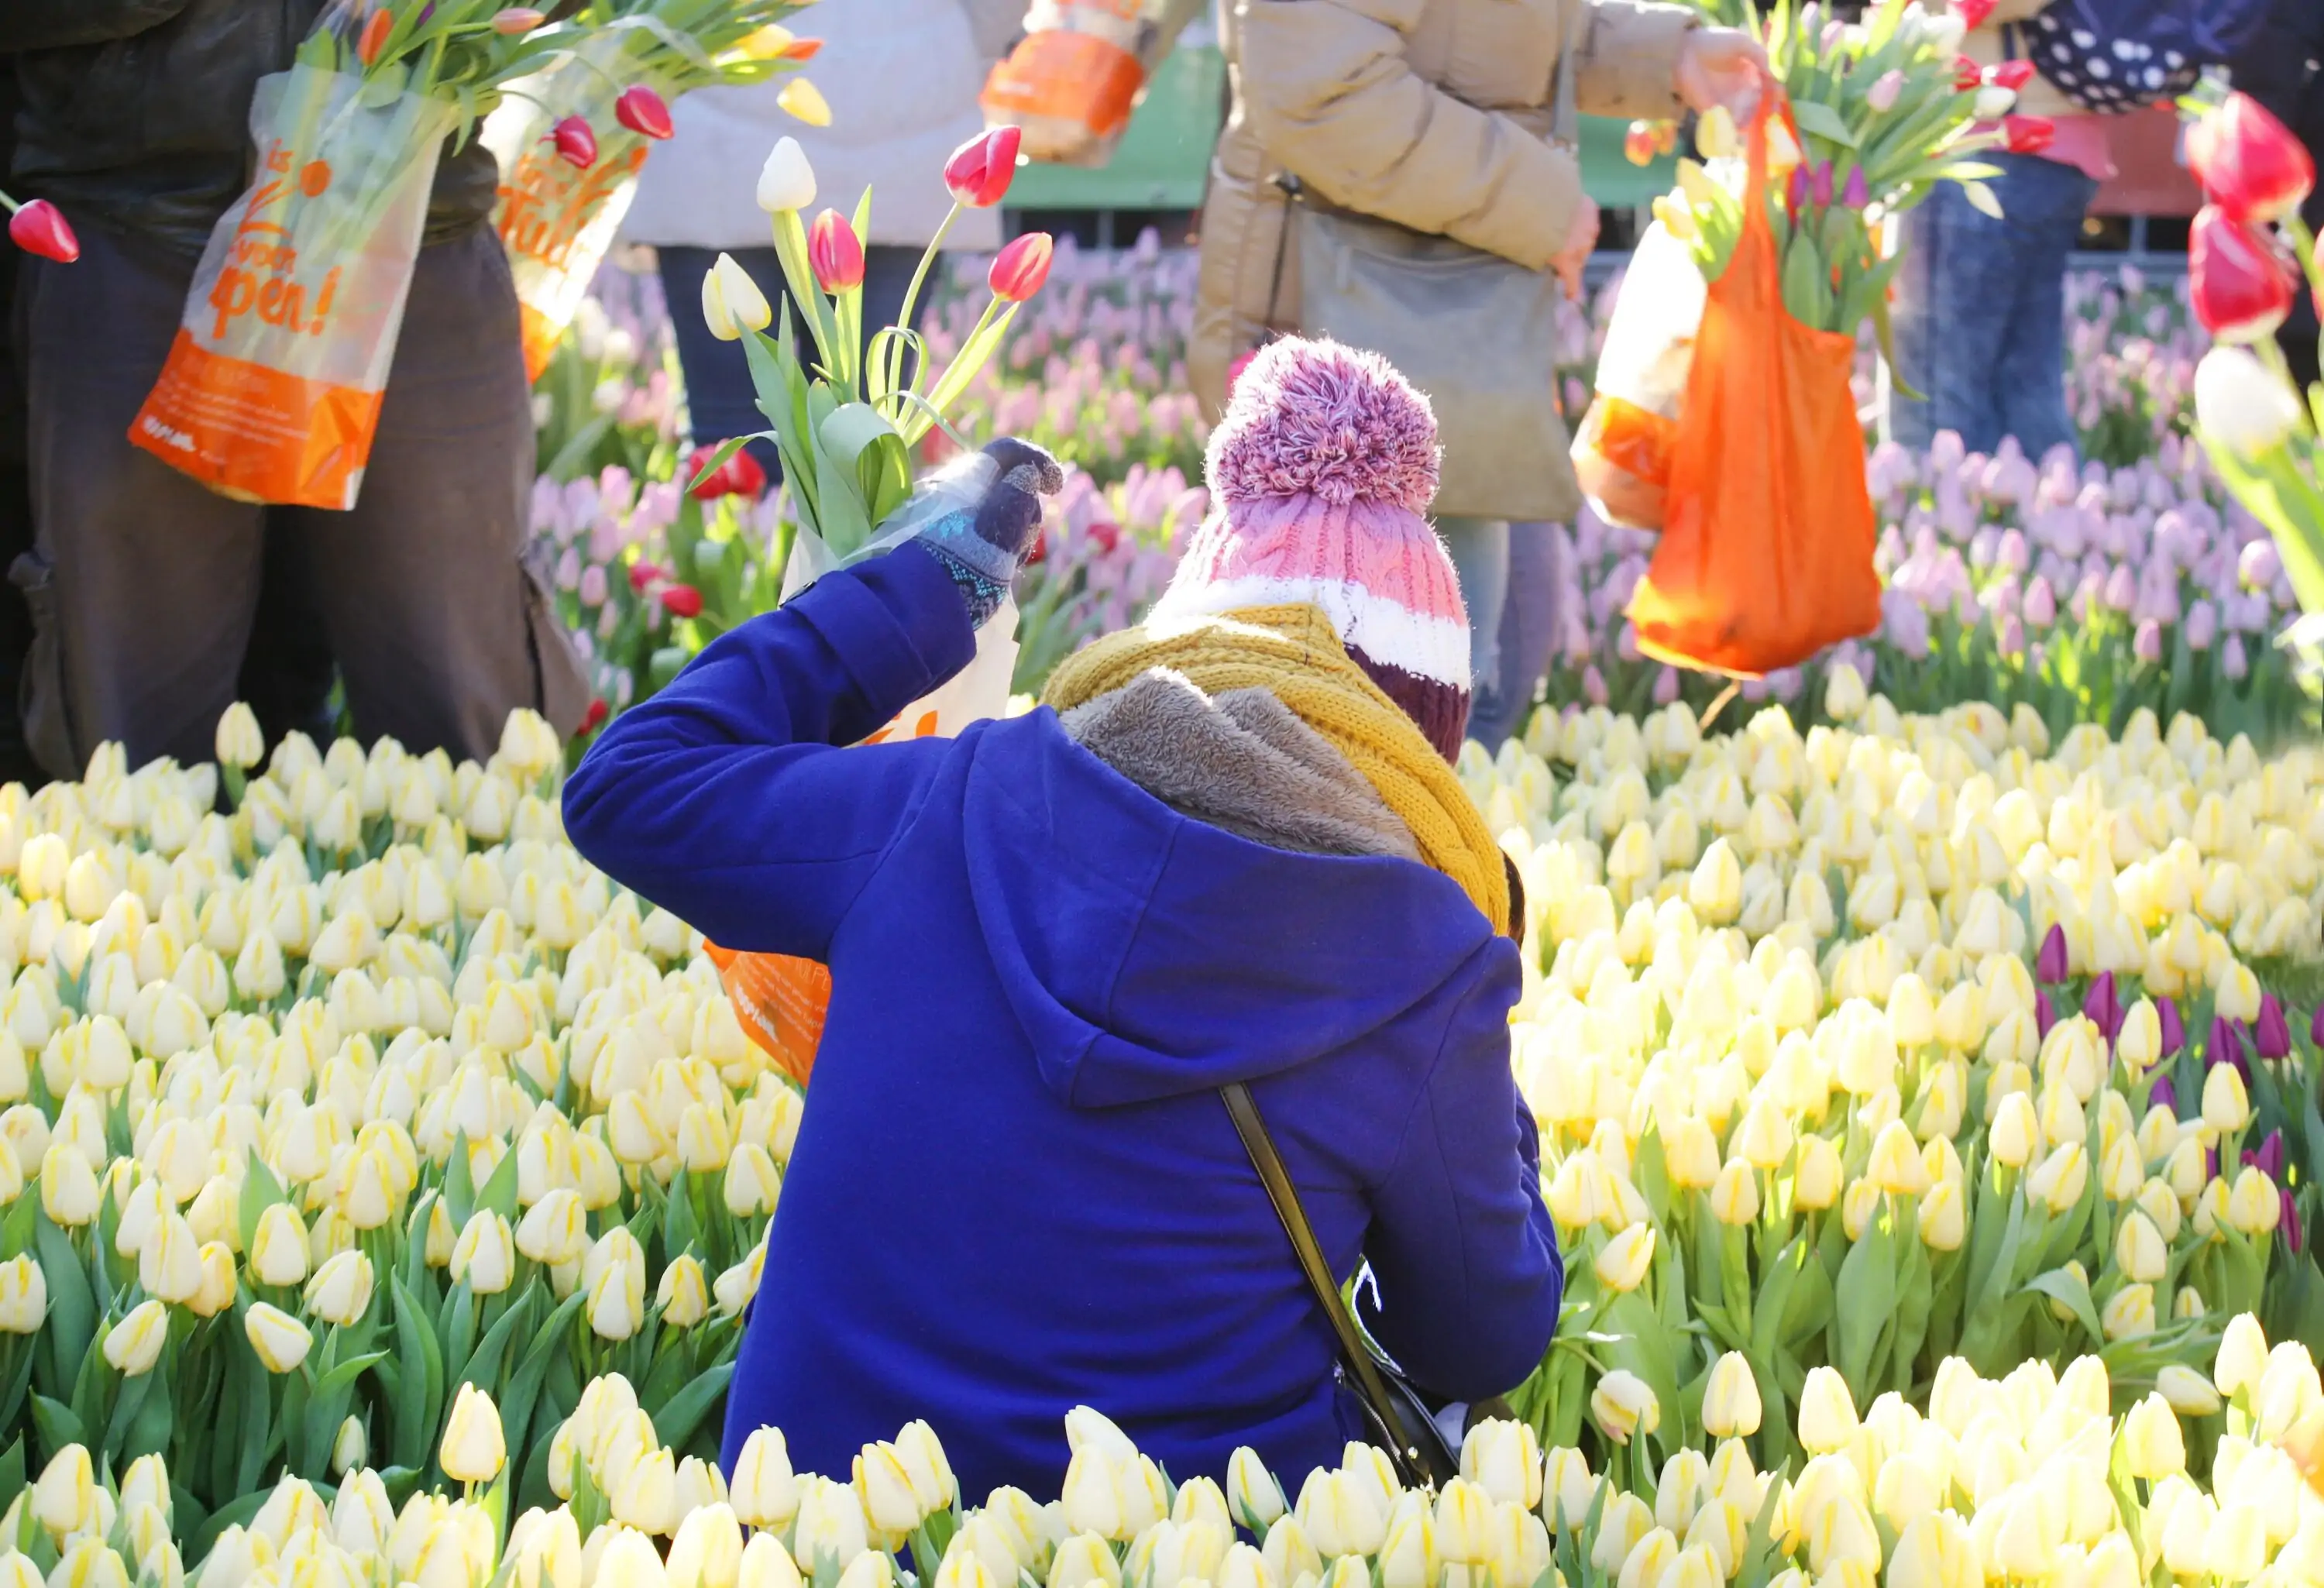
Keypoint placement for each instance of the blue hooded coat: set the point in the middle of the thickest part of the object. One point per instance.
(1016, 1188)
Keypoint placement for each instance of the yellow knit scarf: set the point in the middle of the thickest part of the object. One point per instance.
(1293, 652)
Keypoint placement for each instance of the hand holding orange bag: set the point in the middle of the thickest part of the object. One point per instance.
(1766, 556)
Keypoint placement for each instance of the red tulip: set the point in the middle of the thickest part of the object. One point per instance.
(1020, 269)
(801, 50)
(2027, 134)
(642, 574)
(596, 714)
(39, 227)
(2237, 280)
(981, 169)
(1974, 12)
(575, 141)
(1969, 77)
(744, 476)
(2012, 75)
(739, 476)
(1040, 552)
(2249, 164)
(681, 600)
(373, 37)
(641, 110)
(1105, 535)
(1638, 143)
(835, 253)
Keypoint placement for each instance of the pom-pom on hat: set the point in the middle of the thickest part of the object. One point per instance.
(1322, 472)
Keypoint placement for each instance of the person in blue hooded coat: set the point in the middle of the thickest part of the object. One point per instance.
(1236, 856)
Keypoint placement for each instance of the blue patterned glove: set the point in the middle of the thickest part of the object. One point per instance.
(983, 539)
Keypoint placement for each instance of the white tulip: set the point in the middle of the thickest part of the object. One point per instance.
(732, 301)
(2242, 404)
(787, 181)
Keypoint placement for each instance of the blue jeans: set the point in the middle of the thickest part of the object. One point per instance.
(720, 401)
(1479, 549)
(1526, 634)
(1980, 316)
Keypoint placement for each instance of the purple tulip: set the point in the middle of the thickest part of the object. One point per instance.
(2164, 1096)
(2271, 1033)
(1820, 185)
(2040, 603)
(2146, 643)
(1795, 196)
(2289, 1223)
(1858, 193)
(2225, 1047)
(2233, 662)
(2316, 1027)
(2270, 1156)
(2050, 965)
(2045, 1013)
(2202, 625)
(2104, 1005)
(2175, 1029)
(1885, 90)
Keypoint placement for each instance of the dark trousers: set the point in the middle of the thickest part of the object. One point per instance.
(144, 587)
(1981, 313)
(720, 401)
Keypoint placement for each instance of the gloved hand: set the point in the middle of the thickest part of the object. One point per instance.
(983, 539)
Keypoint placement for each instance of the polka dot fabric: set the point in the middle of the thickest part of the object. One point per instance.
(2117, 55)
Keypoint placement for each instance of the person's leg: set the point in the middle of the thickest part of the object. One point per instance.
(142, 583)
(1911, 421)
(1529, 631)
(1956, 300)
(288, 672)
(2047, 202)
(441, 626)
(16, 762)
(1480, 548)
(720, 399)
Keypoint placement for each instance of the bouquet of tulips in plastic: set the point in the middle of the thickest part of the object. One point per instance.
(572, 139)
(1871, 116)
(272, 389)
(845, 427)
(2245, 260)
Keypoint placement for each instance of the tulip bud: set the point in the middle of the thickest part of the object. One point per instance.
(2240, 289)
(1622, 1263)
(484, 1257)
(1021, 267)
(1623, 1406)
(1503, 1458)
(280, 1339)
(979, 171)
(576, 142)
(644, 112)
(472, 1451)
(2248, 162)
(805, 102)
(763, 1490)
(835, 254)
(786, 182)
(1730, 1398)
(1735, 1195)
(340, 1291)
(134, 1344)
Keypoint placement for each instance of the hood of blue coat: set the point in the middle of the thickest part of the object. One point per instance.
(1148, 955)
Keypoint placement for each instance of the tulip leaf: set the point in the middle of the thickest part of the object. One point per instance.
(415, 1339)
(524, 1386)
(677, 1419)
(56, 1425)
(72, 1310)
(126, 1405)
(498, 1192)
(238, 1512)
(2070, 1289)
(482, 1366)
(1867, 1295)
(1818, 120)
(459, 1186)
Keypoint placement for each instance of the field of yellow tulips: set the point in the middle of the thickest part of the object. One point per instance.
(1922, 1105)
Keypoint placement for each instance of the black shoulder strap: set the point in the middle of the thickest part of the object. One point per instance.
(1280, 1191)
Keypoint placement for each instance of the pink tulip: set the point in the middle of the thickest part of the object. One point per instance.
(1019, 269)
(644, 112)
(39, 227)
(979, 171)
(1886, 89)
(835, 253)
(575, 141)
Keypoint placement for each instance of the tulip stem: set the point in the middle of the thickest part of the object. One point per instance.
(912, 296)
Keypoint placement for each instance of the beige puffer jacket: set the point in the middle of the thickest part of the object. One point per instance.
(1431, 114)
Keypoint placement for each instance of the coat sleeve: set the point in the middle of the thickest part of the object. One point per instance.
(59, 25)
(1462, 1247)
(1327, 90)
(724, 799)
(1627, 62)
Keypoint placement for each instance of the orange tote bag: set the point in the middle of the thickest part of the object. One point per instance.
(1766, 556)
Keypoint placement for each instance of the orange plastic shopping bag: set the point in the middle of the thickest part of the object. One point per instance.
(272, 389)
(1767, 550)
(559, 219)
(780, 1001)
